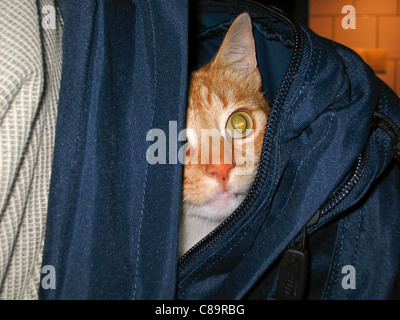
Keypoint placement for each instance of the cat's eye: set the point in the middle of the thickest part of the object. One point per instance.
(239, 124)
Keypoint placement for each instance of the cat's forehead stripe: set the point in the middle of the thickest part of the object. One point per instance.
(212, 100)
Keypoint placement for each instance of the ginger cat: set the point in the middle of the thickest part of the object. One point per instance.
(225, 96)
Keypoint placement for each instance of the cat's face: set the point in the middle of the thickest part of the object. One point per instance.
(224, 100)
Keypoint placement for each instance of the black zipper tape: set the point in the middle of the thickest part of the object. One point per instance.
(382, 121)
(396, 147)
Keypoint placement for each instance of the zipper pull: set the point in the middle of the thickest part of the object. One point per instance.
(293, 274)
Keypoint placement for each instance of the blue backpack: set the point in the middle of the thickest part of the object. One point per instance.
(322, 220)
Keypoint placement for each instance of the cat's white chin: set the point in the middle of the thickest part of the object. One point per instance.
(199, 220)
(218, 208)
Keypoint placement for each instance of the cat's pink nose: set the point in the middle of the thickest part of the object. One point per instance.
(220, 171)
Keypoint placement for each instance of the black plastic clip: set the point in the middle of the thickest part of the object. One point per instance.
(293, 274)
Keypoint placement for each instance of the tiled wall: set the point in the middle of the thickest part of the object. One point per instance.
(377, 26)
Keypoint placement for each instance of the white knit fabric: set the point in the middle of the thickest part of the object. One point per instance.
(30, 72)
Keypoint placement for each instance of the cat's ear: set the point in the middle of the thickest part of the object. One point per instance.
(238, 49)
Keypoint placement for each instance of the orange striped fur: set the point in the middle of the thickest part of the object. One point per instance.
(230, 82)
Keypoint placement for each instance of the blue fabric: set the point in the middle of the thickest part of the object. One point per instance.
(112, 228)
(110, 212)
(323, 127)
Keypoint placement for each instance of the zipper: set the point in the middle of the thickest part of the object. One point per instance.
(379, 120)
(343, 191)
(293, 273)
(382, 121)
(267, 143)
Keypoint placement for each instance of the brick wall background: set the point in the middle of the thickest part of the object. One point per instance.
(377, 26)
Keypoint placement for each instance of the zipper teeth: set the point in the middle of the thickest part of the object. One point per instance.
(386, 124)
(267, 143)
(342, 193)
(362, 160)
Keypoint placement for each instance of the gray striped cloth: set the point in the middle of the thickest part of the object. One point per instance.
(30, 72)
